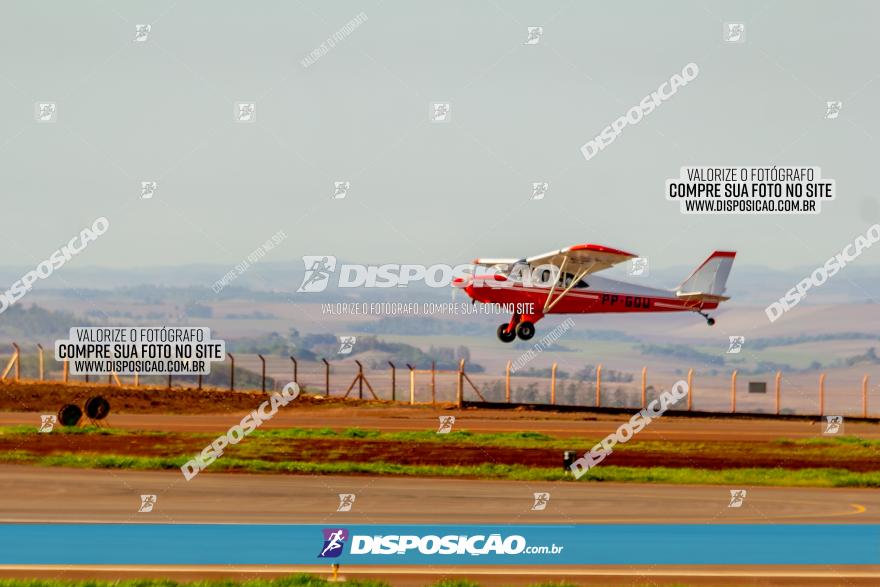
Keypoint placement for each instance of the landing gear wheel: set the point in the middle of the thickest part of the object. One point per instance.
(525, 330)
(710, 321)
(504, 335)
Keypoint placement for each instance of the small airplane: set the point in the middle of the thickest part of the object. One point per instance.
(554, 283)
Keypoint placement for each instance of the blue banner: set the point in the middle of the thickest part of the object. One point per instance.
(625, 544)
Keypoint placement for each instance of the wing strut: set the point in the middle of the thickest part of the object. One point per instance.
(555, 281)
(548, 305)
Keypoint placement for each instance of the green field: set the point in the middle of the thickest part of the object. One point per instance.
(269, 451)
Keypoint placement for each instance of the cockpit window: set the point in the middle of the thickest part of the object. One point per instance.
(566, 281)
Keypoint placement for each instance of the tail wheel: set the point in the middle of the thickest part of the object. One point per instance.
(504, 335)
(525, 330)
(710, 321)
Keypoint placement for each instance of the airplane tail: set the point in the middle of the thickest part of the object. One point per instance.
(708, 281)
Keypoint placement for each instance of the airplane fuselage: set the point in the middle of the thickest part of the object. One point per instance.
(601, 295)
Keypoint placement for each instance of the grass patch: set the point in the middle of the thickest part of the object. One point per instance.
(77, 430)
(830, 441)
(503, 439)
(300, 580)
(824, 477)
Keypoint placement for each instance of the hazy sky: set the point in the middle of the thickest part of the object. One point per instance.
(163, 110)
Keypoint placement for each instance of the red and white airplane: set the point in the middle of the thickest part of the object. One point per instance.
(564, 282)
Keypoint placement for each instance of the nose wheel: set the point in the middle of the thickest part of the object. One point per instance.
(504, 335)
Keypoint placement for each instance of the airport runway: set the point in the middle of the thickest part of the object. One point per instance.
(37, 494)
(484, 421)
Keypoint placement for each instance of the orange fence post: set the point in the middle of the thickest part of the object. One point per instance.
(433, 382)
(393, 381)
(733, 392)
(690, 388)
(412, 384)
(598, 386)
(865, 396)
(66, 371)
(553, 384)
(17, 362)
(822, 394)
(644, 387)
(10, 364)
(40, 351)
(459, 392)
(778, 389)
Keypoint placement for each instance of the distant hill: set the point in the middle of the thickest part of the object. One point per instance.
(274, 279)
(33, 323)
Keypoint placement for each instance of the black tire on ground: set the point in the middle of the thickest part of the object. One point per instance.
(97, 408)
(504, 335)
(69, 415)
(525, 330)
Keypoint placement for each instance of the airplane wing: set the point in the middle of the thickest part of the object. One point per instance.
(585, 259)
(489, 261)
(575, 262)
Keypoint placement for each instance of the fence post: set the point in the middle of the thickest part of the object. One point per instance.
(136, 376)
(231, 371)
(644, 387)
(507, 383)
(865, 396)
(433, 382)
(40, 349)
(733, 392)
(12, 362)
(66, 371)
(263, 371)
(459, 393)
(599, 386)
(109, 379)
(295, 370)
(412, 384)
(200, 381)
(690, 388)
(778, 389)
(360, 379)
(326, 377)
(822, 394)
(553, 384)
(393, 381)
(17, 362)
(169, 381)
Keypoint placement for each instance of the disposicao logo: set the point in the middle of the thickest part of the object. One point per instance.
(334, 541)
